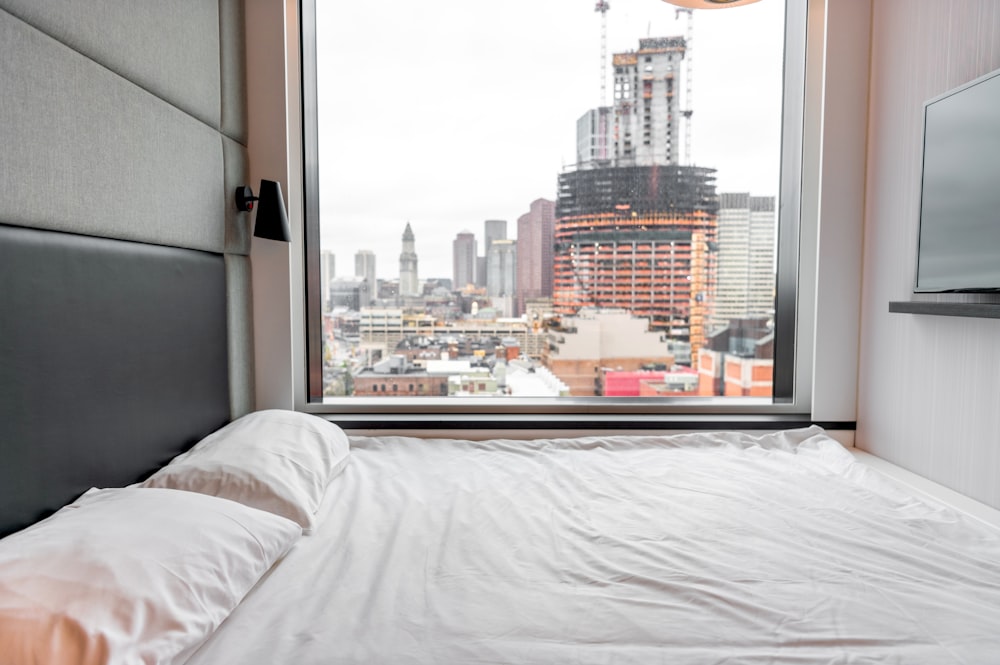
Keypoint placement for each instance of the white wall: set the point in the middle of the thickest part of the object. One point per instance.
(272, 146)
(841, 207)
(929, 386)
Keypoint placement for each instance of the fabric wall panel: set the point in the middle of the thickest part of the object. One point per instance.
(232, 49)
(237, 172)
(128, 121)
(169, 48)
(86, 151)
(240, 316)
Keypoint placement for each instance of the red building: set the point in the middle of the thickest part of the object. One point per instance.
(738, 361)
(649, 383)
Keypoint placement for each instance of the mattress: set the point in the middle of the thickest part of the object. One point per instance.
(708, 548)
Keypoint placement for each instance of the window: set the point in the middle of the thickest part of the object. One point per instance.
(497, 251)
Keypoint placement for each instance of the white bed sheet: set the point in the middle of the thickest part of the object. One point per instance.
(723, 548)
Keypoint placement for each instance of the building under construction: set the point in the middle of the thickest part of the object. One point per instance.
(642, 127)
(634, 229)
(639, 238)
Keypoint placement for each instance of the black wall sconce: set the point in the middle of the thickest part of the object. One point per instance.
(272, 221)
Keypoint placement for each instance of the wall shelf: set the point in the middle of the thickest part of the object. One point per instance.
(974, 309)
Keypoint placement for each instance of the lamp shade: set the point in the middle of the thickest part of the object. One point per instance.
(272, 221)
(709, 4)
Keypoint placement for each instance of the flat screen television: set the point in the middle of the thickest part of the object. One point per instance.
(958, 247)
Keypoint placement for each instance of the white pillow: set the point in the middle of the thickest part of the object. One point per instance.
(131, 576)
(279, 461)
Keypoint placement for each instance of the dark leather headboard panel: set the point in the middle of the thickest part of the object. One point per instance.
(113, 359)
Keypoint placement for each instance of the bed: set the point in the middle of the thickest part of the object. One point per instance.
(706, 548)
(126, 343)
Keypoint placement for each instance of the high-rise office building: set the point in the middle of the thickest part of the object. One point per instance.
(364, 267)
(745, 272)
(327, 271)
(493, 229)
(501, 275)
(501, 269)
(409, 283)
(535, 235)
(481, 272)
(463, 256)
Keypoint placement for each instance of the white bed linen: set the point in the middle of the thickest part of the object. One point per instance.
(715, 549)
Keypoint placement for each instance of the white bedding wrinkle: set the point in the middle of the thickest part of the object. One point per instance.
(721, 548)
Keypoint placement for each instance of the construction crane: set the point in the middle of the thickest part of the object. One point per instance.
(688, 82)
(603, 8)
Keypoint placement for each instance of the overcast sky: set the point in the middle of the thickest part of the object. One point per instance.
(447, 113)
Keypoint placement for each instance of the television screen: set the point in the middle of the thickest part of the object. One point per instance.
(959, 238)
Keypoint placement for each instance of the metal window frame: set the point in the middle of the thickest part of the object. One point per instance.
(790, 405)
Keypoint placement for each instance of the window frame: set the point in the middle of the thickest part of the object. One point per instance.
(794, 304)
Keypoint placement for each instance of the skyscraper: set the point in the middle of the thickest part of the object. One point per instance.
(463, 255)
(409, 284)
(493, 229)
(634, 230)
(364, 267)
(535, 234)
(501, 275)
(501, 269)
(746, 260)
(327, 271)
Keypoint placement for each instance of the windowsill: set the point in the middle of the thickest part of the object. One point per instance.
(369, 422)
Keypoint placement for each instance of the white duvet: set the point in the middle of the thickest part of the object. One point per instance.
(722, 548)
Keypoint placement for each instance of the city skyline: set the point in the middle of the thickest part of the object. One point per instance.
(451, 168)
(466, 242)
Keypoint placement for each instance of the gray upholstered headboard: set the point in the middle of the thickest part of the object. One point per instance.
(126, 331)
